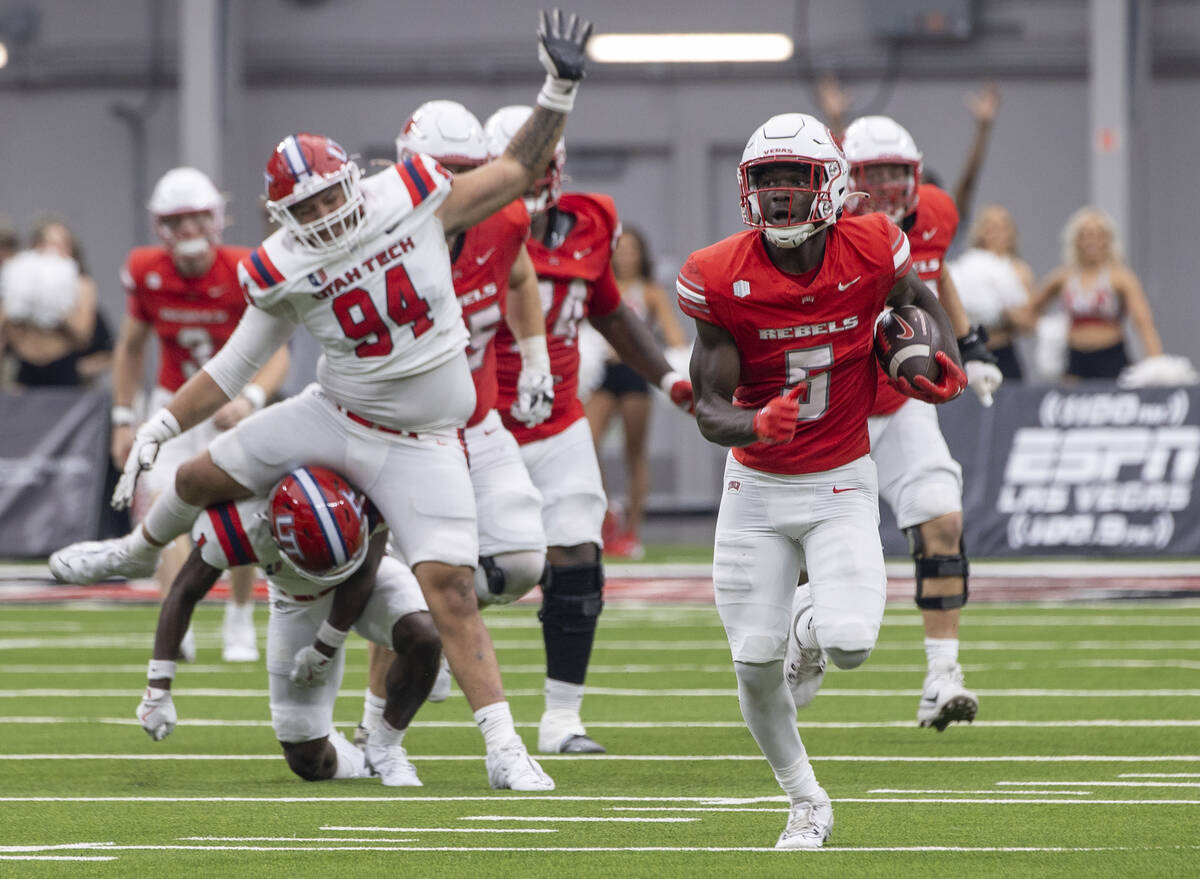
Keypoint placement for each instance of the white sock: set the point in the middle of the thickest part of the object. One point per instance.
(496, 723)
(562, 696)
(351, 762)
(798, 780)
(169, 517)
(239, 615)
(387, 734)
(941, 648)
(372, 711)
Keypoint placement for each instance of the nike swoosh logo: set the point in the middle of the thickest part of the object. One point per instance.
(480, 260)
(932, 700)
(390, 229)
(930, 233)
(849, 284)
(837, 490)
(580, 254)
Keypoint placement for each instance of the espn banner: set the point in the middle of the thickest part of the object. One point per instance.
(53, 460)
(1086, 471)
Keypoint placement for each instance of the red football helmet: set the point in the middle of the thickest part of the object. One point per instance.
(319, 522)
(301, 166)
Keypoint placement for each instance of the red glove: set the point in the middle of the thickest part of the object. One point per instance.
(679, 389)
(953, 383)
(775, 422)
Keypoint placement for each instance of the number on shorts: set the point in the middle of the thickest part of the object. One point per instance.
(199, 345)
(360, 319)
(811, 365)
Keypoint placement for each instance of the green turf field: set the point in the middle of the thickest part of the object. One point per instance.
(1085, 760)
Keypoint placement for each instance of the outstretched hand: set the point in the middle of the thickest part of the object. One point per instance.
(561, 44)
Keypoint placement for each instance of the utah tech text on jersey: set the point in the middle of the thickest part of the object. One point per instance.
(371, 263)
(805, 330)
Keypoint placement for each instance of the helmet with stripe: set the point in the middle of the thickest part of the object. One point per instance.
(182, 193)
(446, 130)
(302, 166)
(319, 522)
(500, 128)
(885, 164)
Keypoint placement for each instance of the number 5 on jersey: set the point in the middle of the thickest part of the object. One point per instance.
(811, 365)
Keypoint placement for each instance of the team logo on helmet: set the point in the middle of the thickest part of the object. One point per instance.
(319, 522)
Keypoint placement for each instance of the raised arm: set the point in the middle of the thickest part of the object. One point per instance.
(983, 106)
(477, 194)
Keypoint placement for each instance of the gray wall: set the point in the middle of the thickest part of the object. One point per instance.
(663, 141)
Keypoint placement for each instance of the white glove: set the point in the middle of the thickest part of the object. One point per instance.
(983, 378)
(535, 385)
(310, 667)
(157, 713)
(161, 427)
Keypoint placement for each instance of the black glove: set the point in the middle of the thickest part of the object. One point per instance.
(973, 346)
(561, 48)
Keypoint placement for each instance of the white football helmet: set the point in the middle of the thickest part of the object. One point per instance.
(799, 139)
(446, 130)
(187, 191)
(876, 141)
(500, 129)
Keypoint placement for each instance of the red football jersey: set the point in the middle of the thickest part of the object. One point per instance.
(575, 280)
(789, 330)
(930, 236)
(192, 317)
(480, 273)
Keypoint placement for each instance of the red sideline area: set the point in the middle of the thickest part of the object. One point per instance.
(688, 590)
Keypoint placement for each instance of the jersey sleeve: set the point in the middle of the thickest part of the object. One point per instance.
(260, 280)
(426, 181)
(690, 292)
(901, 257)
(222, 536)
(606, 295)
(130, 280)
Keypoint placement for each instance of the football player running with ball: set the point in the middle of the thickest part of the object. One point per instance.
(784, 370)
(322, 546)
(363, 265)
(571, 243)
(918, 478)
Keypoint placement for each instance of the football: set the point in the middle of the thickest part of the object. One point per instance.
(906, 338)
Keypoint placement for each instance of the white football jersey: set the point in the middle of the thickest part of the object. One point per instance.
(386, 309)
(231, 534)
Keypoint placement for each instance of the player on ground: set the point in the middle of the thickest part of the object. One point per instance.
(495, 283)
(364, 266)
(784, 370)
(186, 293)
(571, 241)
(322, 546)
(918, 478)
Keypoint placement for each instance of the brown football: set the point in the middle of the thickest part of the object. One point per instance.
(906, 338)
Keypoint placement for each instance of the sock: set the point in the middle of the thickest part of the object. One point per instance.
(496, 723)
(798, 780)
(351, 762)
(563, 696)
(941, 648)
(770, 713)
(387, 734)
(372, 711)
(239, 615)
(169, 517)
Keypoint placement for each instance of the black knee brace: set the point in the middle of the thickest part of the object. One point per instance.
(937, 566)
(572, 596)
(493, 574)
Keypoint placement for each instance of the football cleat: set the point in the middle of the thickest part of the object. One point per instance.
(809, 824)
(391, 764)
(561, 732)
(241, 641)
(511, 768)
(945, 700)
(441, 684)
(94, 560)
(803, 668)
(361, 734)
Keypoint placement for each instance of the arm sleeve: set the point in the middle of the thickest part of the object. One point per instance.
(257, 337)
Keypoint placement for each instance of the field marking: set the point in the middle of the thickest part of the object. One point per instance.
(1159, 775)
(572, 819)
(343, 828)
(992, 801)
(1055, 793)
(56, 858)
(1099, 784)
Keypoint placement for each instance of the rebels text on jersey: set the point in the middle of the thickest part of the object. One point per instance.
(930, 235)
(383, 310)
(480, 271)
(816, 328)
(575, 281)
(192, 317)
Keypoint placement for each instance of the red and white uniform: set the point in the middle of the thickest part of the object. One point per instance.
(807, 507)
(508, 506)
(918, 478)
(575, 280)
(230, 534)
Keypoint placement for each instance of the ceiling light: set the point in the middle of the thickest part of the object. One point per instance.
(688, 48)
(3, 55)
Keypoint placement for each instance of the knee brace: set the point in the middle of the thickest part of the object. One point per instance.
(572, 597)
(937, 566)
(506, 576)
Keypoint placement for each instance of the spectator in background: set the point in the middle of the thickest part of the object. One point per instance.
(996, 285)
(10, 243)
(1098, 291)
(623, 391)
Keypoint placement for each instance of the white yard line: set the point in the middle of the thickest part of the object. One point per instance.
(1098, 784)
(1055, 793)
(554, 819)
(600, 758)
(1159, 775)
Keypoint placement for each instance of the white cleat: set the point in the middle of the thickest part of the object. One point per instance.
(945, 700)
(94, 560)
(361, 734)
(391, 764)
(511, 768)
(441, 684)
(562, 732)
(803, 668)
(187, 647)
(241, 641)
(809, 823)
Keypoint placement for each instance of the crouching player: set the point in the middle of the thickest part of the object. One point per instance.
(322, 546)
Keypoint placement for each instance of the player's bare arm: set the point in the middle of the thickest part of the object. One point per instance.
(351, 597)
(523, 307)
(716, 369)
(1130, 289)
(952, 304)
(129, 355)
(634, 343)
(192, 583)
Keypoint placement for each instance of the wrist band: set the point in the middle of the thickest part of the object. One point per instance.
(256, 395)
(327, 634)
(558, 94)
(161, 668)
(123, 416)
(534, 353)
(668, 381)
